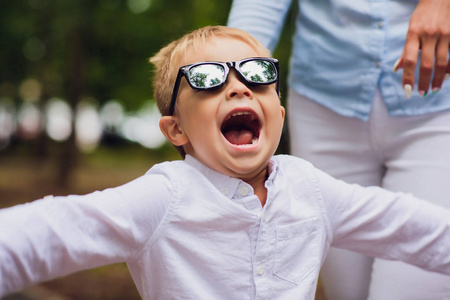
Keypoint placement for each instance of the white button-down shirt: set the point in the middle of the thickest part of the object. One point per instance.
(189, 232)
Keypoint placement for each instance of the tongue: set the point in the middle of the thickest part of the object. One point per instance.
(239, 137)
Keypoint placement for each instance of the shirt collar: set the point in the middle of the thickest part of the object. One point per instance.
(225, 184)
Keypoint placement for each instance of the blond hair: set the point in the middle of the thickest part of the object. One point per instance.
(168, 60)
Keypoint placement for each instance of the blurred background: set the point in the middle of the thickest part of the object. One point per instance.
(77, 112)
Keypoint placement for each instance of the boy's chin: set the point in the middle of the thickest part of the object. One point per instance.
(246, 168)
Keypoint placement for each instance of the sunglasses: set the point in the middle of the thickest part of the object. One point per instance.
(212, 75)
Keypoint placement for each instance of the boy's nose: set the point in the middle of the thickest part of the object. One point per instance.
(235, 88)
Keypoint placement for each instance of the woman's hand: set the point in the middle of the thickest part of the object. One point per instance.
(429, 30)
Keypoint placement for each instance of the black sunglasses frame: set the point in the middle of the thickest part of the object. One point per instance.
(184, 72)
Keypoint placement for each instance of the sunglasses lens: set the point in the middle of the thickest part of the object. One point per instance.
(206, 75)
(259, 71)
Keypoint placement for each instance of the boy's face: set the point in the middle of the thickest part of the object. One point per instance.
(234, 129)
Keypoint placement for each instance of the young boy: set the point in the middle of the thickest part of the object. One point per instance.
(231, 221)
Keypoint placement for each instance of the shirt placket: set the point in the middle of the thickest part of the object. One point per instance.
(262, 246)
(245, 196)
(262, 266)
(375, 43)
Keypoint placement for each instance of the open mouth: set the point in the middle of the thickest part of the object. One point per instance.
(241, 128)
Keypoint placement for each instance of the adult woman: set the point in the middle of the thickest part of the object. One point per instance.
(354, 117)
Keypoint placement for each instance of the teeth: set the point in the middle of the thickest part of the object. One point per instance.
(240, 113)
(254, 141)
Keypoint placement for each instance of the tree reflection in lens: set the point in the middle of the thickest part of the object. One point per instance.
(205, 76)
(258, 71)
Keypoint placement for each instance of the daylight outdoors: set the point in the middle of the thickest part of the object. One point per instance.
(76, 106)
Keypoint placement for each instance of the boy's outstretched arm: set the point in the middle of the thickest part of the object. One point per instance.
(56, 236)
(388, 225)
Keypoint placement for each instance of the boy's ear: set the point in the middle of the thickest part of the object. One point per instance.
(172, 131)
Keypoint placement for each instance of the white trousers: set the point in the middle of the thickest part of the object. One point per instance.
(409, 154)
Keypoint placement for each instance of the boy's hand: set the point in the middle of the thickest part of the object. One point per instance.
(429, 30)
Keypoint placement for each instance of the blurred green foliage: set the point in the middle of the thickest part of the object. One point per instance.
(38, 38)
(100, 48)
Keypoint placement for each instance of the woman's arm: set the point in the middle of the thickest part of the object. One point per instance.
(263, 19)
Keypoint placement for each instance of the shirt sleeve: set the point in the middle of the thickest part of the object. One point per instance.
(393, 226)
(56, 236)
(263, 19)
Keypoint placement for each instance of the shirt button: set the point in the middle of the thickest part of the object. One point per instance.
(225, 190)
(243, 191)
(260, 270)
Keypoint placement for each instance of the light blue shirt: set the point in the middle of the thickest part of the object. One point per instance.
(189, 232)
(342, 51)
